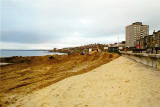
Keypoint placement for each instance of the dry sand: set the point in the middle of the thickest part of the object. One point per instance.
(120, 83)
(29, 74)
(1, 64)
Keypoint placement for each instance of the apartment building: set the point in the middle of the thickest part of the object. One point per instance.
(135, 32)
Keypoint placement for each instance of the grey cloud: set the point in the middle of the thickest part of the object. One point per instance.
(26, 37)
(52, 21)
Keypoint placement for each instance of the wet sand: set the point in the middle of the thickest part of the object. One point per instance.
(119, 83)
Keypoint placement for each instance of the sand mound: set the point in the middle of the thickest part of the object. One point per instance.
(29, 74)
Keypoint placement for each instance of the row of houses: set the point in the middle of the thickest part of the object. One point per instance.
(90, 48)
(150, 42)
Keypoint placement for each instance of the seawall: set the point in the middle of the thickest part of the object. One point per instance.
(152, 60)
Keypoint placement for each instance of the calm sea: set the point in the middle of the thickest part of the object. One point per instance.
(9, 53)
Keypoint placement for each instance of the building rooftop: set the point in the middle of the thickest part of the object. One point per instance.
(137, 23)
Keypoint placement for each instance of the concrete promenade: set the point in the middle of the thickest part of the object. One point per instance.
(142, 54)
(152, 60)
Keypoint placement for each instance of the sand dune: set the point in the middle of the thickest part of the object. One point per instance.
(120, 83)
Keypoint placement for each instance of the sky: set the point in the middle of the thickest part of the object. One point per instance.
(48, 24)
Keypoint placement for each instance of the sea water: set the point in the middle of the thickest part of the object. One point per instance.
(10, 53)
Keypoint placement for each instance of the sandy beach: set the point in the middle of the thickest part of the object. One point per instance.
(120, 83)
(29, 74)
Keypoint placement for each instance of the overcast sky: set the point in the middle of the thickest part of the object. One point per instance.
(44, 24)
